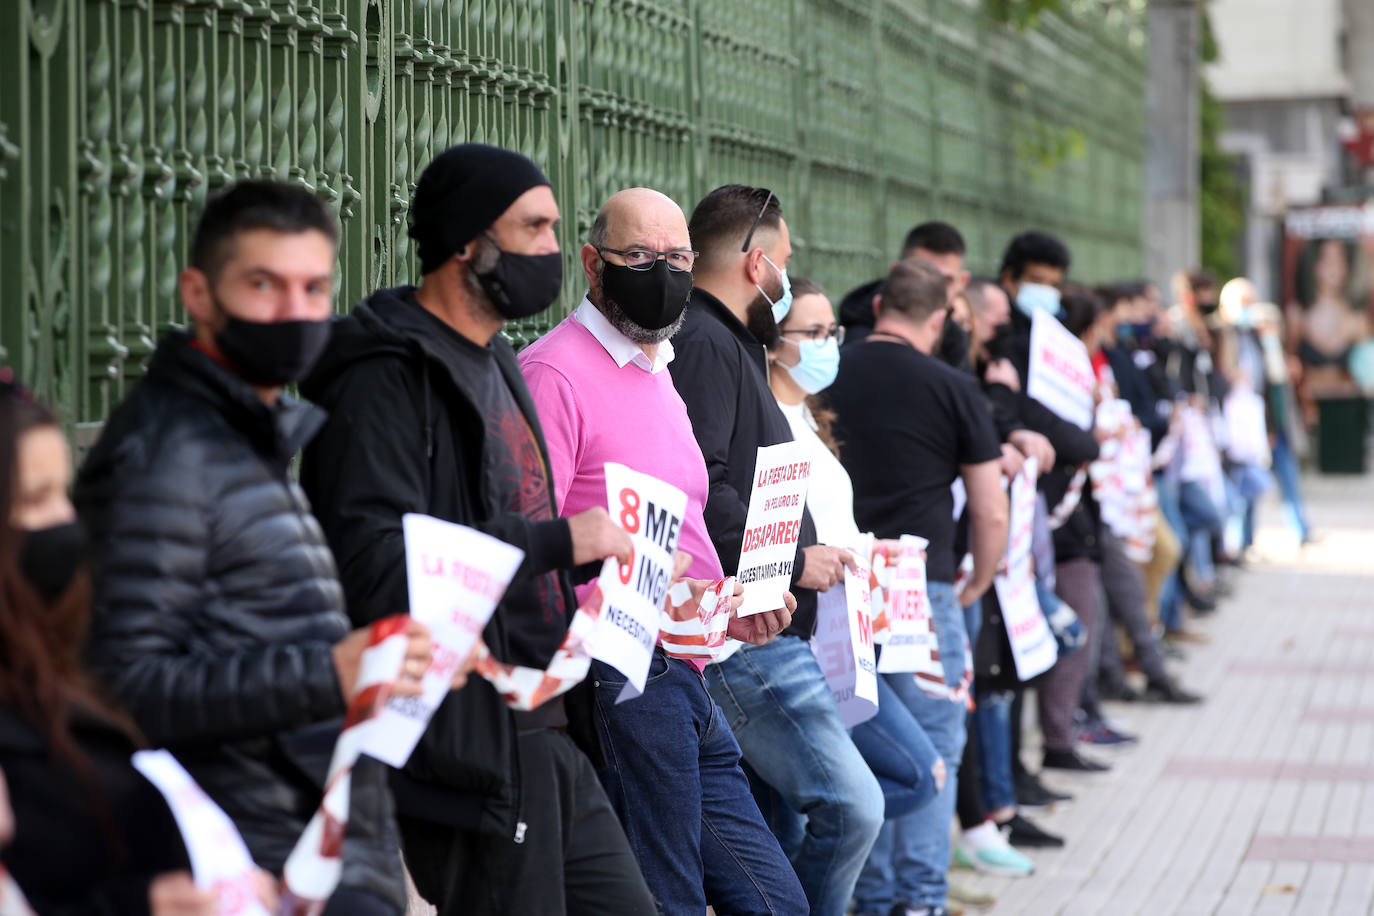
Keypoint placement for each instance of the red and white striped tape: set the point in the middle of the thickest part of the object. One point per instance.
(696, 614)
(313, 869)
(526, 688)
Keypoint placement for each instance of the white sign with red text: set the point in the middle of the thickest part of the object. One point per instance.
(456, 576)
(1032, 644)
(773, 526)
(633, 594)
(844, 645)
(220, 861)
(911, 643)
(1061, 372)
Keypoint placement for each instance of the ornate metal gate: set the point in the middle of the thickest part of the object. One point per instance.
(866, 116)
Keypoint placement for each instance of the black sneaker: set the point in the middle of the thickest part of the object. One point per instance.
(1117, 689)
(1072, 760)
(1032, 793)
(1023, 832)
(1170, 692)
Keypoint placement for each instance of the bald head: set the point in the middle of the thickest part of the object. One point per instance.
(639, 220)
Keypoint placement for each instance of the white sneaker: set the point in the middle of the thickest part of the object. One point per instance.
(985, 849)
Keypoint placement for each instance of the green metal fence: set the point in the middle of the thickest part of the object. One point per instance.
(865, 116)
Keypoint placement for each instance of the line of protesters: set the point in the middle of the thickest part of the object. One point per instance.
(225, 605)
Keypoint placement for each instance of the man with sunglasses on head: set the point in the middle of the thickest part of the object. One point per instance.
(600, 382)
(823, 802)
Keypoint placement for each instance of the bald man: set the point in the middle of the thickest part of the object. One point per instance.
(599, 382)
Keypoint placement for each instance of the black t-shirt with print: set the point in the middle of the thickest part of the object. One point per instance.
(906, 423)
(510, 458)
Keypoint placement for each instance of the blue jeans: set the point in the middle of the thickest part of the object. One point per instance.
(1287, 472)
(673, 776)
(1203, 519)
(992, 719)
(899, 753)
(778, 703)
(1171, 593)
(911, 856)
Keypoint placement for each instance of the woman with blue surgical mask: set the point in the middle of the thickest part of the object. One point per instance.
(803, 362)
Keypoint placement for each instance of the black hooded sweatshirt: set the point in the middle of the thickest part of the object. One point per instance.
(406, 433)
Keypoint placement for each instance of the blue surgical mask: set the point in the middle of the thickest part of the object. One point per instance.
(818, 366)
(1037, 297)
(784, 303)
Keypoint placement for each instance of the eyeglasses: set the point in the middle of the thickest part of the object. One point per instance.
(818, 333)
(644, 258)
(758, 219)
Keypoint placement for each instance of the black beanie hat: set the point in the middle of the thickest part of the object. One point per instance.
(462, 192)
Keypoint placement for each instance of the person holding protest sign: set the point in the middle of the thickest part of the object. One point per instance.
(86, 832)
(600, 382)
(941, 430)
(218, 616)
(500, 811)
(775, 695)
(803, 363)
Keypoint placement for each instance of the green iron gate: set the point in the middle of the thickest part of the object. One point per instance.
(866, 116)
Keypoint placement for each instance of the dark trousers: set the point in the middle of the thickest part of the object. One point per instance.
(673, 774)
(1079, 583)
(574, 860)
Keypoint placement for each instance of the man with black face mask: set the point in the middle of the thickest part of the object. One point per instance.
(218, 619)
(500, 811)
(603, 394)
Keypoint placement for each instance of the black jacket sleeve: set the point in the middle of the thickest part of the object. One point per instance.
(1005, 414)
(1073, 445)
(150, 525)
(368, 467)
(708, 380)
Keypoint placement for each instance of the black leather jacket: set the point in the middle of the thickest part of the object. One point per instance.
(216, 606)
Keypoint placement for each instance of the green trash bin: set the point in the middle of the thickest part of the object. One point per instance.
(1341, 429)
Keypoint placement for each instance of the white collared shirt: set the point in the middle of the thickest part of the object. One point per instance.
(621, 348)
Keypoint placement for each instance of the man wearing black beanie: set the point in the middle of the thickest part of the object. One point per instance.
(500, 811)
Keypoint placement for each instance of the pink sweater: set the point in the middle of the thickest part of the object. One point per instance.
(593, 411)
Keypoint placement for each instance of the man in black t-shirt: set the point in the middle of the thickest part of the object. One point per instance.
(911, 425)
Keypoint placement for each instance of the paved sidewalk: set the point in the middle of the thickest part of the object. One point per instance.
(1262, 799)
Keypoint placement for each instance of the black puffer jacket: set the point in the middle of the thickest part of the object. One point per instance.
(217, 604)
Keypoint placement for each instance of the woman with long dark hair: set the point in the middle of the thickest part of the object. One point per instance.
(91, 835)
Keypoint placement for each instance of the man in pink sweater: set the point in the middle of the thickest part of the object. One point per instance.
(600, 383)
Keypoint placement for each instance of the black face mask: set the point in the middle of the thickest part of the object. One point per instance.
(272, 353)
(954, 344)
(1000, 344)
(759, 321)
(50, 558)
(653, 298)
(1208, 308)
(521, 285)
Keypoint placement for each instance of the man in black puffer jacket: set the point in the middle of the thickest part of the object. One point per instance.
(219, 619)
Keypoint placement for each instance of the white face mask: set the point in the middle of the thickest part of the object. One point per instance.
(1037, 297)
(819, 364)
(784, 303)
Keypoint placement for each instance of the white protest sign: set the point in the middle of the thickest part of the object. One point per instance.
(651, 512)
(1061, 373)
(220, 861)
(911, 644)
(843, 645)
(1032, 644)
(773, 525)
(456, 576)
